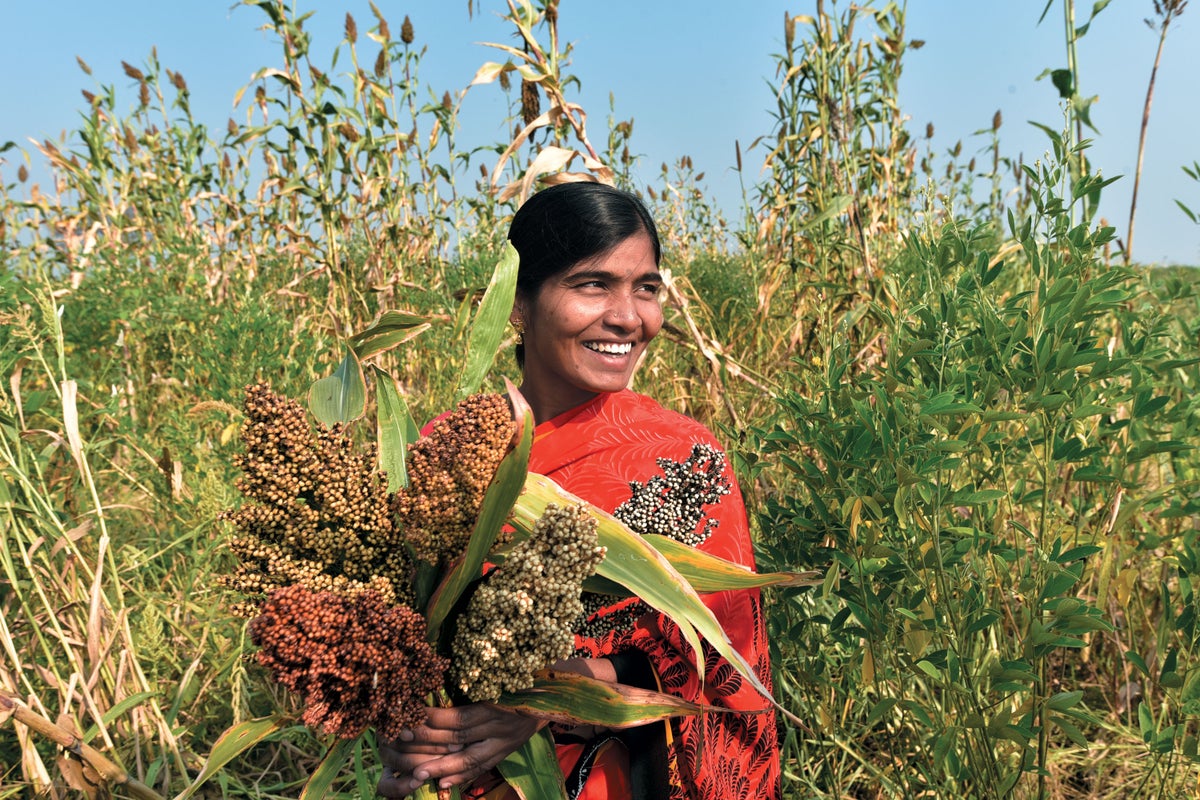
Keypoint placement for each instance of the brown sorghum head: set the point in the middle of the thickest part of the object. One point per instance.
(449, 471)
(355, 661)
(317, 511)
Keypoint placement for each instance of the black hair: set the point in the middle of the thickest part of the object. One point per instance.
(567, 223)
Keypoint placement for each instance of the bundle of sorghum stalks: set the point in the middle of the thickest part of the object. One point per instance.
(328, 561)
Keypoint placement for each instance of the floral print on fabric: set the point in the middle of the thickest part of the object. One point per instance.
(597, 451)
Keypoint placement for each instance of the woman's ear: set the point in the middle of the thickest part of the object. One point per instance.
(517, 316)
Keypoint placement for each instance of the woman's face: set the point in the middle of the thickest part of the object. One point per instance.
(587, 326)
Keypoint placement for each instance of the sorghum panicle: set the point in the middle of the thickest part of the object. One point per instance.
(317, 511)
(522, 618)
(355, 661)
(671, 505)
(448, 474)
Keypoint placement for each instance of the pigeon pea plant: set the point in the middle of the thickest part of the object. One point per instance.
(975, 499)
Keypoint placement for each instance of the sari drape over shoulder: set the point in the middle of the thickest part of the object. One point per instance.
(595, 451)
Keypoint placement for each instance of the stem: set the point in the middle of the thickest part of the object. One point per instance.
(1137, 174)
(11, 706)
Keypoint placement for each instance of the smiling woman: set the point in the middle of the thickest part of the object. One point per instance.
(587, 305)
(585, 329)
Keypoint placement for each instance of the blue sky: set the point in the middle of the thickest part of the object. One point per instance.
(693, 75)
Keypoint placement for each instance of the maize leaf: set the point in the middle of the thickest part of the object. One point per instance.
(488, 328)
(394, 430)
(342, 396)
(506, 485)
(574, 699)
(532, 769)
(709, 573)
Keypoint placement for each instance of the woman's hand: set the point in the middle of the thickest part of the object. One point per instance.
(454, 746)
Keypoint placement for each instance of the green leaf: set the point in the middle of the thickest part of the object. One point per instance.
(878, 711)
(1073, 733)
(574, 699)
(929, 669)
(326, 773)
(231, 744)
(1191, 687)
(709, 573)
(342, 396)
(1064, 700)
(393, 328)
(1064, 81)
(506, 485)
(488, 328)
(532, 769)
(394, 429)
(837, 206)
(1145, 723)
(117, 710)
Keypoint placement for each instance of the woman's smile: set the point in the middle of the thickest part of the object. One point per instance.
(612, 349)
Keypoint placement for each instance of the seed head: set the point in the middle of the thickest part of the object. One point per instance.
(530, 104)
(317, 511)
(449, 472)
(355, 662)
(522, 618)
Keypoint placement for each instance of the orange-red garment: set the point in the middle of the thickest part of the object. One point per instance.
(594, 451)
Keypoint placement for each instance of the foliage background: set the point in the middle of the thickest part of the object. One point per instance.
(942, 385)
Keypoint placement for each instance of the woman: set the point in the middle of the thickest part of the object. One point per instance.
(587, 306)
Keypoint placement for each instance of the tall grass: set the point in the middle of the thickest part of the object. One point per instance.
(936, 386)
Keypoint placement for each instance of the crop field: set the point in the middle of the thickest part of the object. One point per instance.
(943, 387)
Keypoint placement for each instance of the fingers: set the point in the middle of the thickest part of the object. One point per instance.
(476, 758)
(392, 785)
(454, 746)
(463, 726)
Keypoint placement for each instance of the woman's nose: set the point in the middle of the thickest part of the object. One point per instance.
(621, 312)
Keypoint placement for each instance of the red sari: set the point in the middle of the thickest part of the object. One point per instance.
(594, 451)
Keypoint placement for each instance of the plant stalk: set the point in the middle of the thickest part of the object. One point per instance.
(1137, 173)
(111, 772)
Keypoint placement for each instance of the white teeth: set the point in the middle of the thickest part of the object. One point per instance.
(611, 349)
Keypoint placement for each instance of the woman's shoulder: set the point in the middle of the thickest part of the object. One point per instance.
(643, 412)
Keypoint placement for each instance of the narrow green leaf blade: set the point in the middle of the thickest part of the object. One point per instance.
(326, 773)
(394, 430)
(117, 710)
(709, 573)
(488, 328)
(533, 771)
(231, 744)
(342, 396)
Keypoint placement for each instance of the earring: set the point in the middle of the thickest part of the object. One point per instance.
(519, 326)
